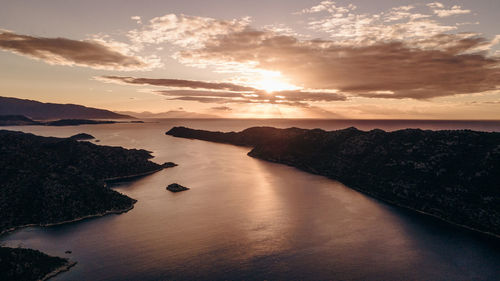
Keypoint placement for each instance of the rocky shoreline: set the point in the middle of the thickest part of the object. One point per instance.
(59, 270)
(51, 181)
(131, 177)
(449, 175)
(117, 212)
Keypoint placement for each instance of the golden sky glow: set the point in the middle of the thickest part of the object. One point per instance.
(285, 59)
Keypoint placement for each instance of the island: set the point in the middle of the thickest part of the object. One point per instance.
(175, 187)
(169, 165)
(48, 181)
(77, 122)
(450, 175)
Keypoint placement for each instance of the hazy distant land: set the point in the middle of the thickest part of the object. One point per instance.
(452, 175)
(21, 120)
(49, 111)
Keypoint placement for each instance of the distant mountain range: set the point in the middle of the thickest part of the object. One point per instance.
(47, 111)
(169, 114)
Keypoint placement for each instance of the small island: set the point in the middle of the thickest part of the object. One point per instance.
(175, 187)
(169, 165)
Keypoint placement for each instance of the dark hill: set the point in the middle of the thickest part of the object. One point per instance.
(15, 120)
(52, 180)
(47, 181)
(452, 175)
(45, 111)
(77, 122)
(27, 264)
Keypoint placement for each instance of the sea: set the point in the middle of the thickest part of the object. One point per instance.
(248, 219)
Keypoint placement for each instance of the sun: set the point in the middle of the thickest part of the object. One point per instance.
(273, 85)
(272, 81)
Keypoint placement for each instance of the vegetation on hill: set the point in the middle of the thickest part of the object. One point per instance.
(27, 264)
(452, 175)
(51, 180)
(47, 181)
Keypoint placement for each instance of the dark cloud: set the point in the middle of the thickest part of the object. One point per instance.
(293, 98)
(200, 93)
(179, 83)
(441, 65)
(309, 96)
(69, 52)
(222, 108)
(242, 101)
(211, 92)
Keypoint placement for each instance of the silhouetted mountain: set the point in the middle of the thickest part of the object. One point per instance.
(16, 120)
(452, 175)
(20, 120)
(76, 122)
(45, 111)
(53, 180)
(170, 114)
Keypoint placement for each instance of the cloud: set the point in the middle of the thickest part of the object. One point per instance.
(179, 83)
(185, 31)
(436, 66)
(63, 51)
(222, 108)
(291, 98)
(440, 11)
(398, 23)
(206, 92)
(328, 6)
(435, 5)
(137, 19)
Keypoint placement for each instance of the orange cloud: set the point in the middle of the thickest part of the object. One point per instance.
(215, 92)
(441, 65)
(62, 51)
(177, 83)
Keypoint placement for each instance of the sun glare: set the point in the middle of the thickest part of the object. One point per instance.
(272, 81)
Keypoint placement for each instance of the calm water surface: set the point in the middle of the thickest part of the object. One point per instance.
(249, 219)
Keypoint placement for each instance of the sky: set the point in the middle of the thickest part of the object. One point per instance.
(257, 59)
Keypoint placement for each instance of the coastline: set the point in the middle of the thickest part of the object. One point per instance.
(130, 177)
(7, 231)
(477, 231)
(69, 264)
(59, 270)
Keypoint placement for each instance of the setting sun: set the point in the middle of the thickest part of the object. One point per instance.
(272, 81)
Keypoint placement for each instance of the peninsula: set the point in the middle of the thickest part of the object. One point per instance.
(47, 181)
(451, 175)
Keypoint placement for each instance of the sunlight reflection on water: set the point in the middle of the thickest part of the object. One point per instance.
(249, 219)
